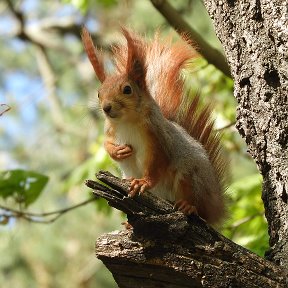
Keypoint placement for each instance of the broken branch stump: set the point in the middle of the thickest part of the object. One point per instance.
(167, 249)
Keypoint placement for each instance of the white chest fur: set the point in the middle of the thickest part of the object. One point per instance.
(133, 135)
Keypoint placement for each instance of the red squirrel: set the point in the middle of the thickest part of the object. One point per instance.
(162, 143)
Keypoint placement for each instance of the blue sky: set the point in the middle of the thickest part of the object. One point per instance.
(21, 93)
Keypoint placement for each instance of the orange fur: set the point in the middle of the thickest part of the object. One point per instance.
(209, 208)
(93, 55)
(169, 83)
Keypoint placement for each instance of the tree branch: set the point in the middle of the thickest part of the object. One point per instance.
(39, 217)
(6, 109)
(212, 55)
(232, 124)
(165, 248)
(49, 80)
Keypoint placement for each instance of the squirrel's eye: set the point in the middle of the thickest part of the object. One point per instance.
(127, 89)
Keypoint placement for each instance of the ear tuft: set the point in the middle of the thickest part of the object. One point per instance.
(137, 73)
(93, 54)
(135, 66)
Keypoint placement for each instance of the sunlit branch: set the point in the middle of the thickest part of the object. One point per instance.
(6, 108)
(233, 227)
(244, 220)
(49, 79)
(212, 55)
(226, 126)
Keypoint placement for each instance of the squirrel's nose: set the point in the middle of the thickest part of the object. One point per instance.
(107, 108)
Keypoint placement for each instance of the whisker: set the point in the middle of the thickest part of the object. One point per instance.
(87, 115)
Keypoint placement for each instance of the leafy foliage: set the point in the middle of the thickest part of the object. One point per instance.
(84, 5)
(247, 225)
(22, 185)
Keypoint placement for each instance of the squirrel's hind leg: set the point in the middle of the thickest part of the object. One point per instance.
(185, 198)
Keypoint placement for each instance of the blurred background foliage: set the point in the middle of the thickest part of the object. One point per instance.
(54, 131)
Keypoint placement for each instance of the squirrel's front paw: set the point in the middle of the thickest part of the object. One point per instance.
(121, 152)
(138, 186)
(185, 207)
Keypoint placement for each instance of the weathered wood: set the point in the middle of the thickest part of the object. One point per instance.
(165, 248)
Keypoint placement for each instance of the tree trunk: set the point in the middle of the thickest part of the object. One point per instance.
(168, 249)
(254, 36)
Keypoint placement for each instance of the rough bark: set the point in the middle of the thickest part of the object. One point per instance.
(254, 36)
(165, 248)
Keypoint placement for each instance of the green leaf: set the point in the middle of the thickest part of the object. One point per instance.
(81, 5)
(247, 225)
(108, 3)
(22, 185)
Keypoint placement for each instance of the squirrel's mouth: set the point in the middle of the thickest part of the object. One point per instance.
(113, 110)
(108, 110)
(110, 114)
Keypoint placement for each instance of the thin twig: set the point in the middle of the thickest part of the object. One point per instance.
(242, 221)
(50, 81)
(36, 217)
(226, 126)
(6, 109)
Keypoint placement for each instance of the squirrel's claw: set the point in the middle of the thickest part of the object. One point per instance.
(138, 186)
(185, 207)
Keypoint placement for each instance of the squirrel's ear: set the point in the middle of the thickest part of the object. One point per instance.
(135, 66)
(137, 72)
(93, 54)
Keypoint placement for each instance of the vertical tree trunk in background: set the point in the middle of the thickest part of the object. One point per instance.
(254, 35)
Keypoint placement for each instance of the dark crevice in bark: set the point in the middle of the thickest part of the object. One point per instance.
(257, 14)
(271, 77)
(245, 82)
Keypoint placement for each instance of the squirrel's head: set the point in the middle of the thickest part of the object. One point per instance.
(122, 95)
(122, 98)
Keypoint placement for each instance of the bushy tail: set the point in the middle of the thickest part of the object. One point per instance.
(197, 121)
